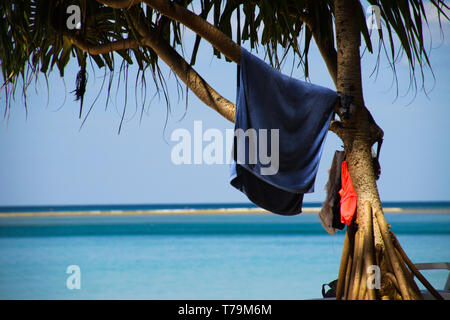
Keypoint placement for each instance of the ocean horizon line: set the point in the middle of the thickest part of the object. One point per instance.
(198, 208)
(182, 205)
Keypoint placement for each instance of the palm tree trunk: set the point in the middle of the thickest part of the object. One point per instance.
(371, 241)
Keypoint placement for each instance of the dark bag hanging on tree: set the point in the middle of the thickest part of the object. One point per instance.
(330, 214)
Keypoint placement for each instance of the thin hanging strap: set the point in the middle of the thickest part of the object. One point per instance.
(239, 43)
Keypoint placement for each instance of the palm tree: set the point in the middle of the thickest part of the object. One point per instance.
(36, 36)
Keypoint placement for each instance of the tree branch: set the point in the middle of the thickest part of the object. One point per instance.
(103, 48)
(152, 39)
(200, 26)
(119, 4)
(194, 22)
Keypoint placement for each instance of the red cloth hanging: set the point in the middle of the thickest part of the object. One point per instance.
(348, 196)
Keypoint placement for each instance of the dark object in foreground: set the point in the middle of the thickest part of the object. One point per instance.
(331, 293)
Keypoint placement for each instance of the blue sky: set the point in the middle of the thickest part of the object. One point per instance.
(47, 160)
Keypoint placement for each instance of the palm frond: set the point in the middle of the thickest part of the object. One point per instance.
(34, 37)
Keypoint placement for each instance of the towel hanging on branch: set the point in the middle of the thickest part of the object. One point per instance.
(271, 105)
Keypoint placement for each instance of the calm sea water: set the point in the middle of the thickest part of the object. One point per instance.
(260, 256)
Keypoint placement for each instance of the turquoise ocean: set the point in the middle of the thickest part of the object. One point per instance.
(193, 256)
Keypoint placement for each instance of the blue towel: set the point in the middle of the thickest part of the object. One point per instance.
(268, 100)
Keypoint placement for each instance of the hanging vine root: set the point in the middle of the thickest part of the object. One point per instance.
(395, 262)
(414, 270)
(348, 275)
(358, 264)
(343, 267)
(412, 286)
(369, 253)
